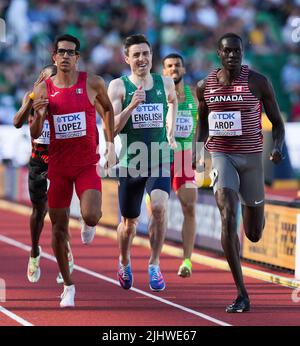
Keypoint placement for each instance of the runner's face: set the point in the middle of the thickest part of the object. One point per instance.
(66, 56)
(174, 68)
(140, 59)
(231, 53)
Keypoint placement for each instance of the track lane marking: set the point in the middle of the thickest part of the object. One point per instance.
(27, 248)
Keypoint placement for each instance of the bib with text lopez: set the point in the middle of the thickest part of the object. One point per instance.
(70, 125)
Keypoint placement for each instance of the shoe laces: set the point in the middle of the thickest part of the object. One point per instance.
(155, 273)
(125, 271)
(34, 263)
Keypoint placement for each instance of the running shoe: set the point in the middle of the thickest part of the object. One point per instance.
(67, 297)
(33, 268)
(125, 276)
(185, 270)
(59, 278)
(87, 232)
(156, 280)
(241, 304)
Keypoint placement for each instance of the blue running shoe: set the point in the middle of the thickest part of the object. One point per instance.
(156, 280)
(125, 276)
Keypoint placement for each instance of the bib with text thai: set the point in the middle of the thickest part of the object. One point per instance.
(184, 123)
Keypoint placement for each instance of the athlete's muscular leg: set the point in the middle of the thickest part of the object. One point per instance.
(90, 205)
(126, 232)
(60, 224)
(187, 197)
(39, 211)
(227, 201)
(158, 223)
(254, 222)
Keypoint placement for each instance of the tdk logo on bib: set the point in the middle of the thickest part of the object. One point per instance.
(225, 123)
(70, 125)
(148, 115)
(69, 118)
(148, 108)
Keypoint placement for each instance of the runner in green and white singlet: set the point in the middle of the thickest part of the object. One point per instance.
(147, 125)
(145, 107)
(182, 173)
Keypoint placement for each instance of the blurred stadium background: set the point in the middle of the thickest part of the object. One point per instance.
(271, 33)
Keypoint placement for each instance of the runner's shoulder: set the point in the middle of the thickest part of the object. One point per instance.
(200, 88)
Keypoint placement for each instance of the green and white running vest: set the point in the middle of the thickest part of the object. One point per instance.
(146, 127)
(186, 121)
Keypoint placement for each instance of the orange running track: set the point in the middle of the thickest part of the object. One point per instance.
(196, 301)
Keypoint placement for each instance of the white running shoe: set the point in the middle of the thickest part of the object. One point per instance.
(59, 278)
(33, 268)
(87, 232)
(67, 297)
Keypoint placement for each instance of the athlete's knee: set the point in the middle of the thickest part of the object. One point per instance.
(158, 210)
(92, 219)
(228, 216)
(39, 211)
(91, 216)
(255, 234)
(129, 226)
(189, 209)
(59, 234)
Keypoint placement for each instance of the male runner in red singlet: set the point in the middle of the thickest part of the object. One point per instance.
(37, 177)
(73, 149)
(230, 104)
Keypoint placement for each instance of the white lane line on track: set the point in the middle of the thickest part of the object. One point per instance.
(15, 317)
(22, 246)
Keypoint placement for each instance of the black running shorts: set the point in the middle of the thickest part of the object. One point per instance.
(37, 181)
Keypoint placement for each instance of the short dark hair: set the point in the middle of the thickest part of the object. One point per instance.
(173, 56)
(69, 38)
(134, 39)
(229, 35)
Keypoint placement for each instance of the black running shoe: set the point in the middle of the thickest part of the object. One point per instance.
(241, 304)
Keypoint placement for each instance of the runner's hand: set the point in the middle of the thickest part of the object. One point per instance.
(276, 156)
(39, 104)
(138, 97)
(172, 141)
(110, 158)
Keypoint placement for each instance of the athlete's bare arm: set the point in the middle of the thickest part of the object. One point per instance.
(202, 128)
(23, 113)
(40, 94)
(172, 110)
(116, 93)
(103, 106)
(262, 89)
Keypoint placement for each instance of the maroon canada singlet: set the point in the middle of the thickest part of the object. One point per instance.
(227, 100)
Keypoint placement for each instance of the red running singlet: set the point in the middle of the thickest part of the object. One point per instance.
(73, 131)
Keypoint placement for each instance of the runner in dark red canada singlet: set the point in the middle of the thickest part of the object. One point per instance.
(73, 149)
(230, 101)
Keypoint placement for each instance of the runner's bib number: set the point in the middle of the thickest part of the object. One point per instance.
(147, 116)
(184, 124)
(70, 125)
(45, 136)
(225, 123)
